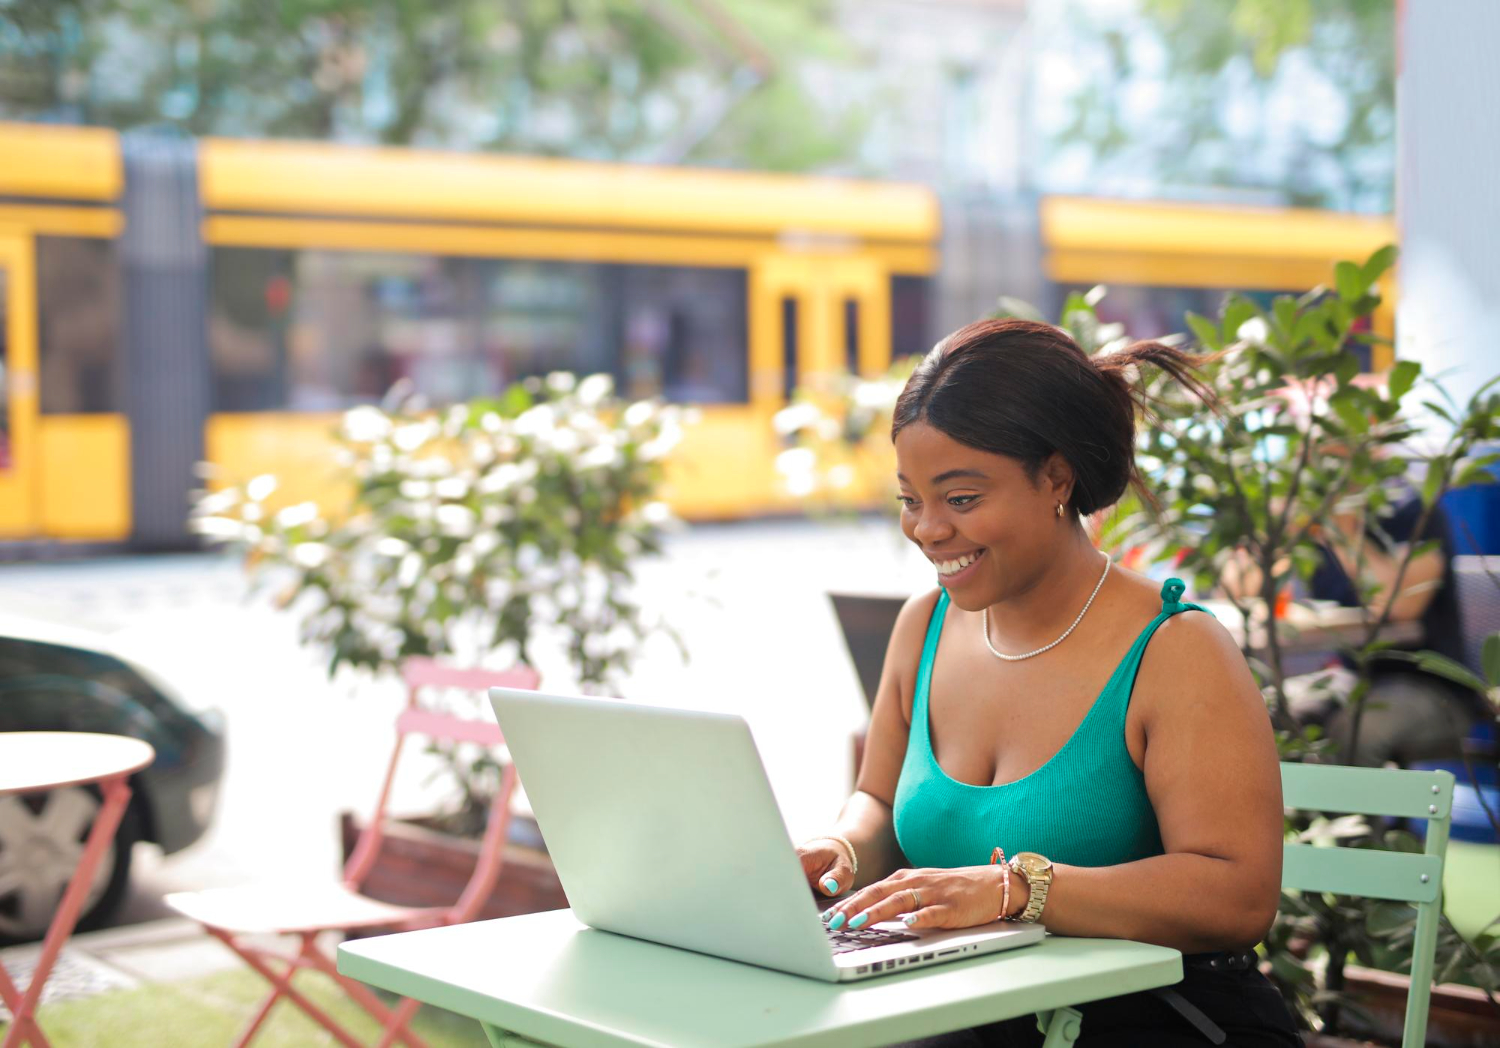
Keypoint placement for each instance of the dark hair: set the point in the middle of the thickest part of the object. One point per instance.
(1025, 390)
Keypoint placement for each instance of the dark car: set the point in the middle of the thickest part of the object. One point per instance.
(58, 678)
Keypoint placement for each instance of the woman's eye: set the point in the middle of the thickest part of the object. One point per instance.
(906, 500)
(961, 500)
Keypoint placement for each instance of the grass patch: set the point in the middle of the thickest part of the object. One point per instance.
(214, 1009)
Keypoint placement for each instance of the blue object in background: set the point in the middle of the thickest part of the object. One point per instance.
(1474, 516)
(1470, 823)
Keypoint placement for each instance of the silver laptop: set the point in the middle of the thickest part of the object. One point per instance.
(662, 826)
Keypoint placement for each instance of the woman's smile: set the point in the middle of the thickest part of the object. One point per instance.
(954, 569)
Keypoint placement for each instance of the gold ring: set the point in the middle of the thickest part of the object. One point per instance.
(916, 900)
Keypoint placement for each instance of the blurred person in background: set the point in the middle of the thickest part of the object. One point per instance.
(1040, 706)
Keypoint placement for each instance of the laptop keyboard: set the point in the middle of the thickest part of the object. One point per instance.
(844, 940)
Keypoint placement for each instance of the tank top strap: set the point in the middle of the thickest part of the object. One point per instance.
(1120, 686)
(924, 668)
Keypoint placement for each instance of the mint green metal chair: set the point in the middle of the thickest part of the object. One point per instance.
(1400, 876)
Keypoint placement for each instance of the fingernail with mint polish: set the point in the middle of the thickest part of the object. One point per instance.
(910, 919)
(858, 921)
(837, 922)
(831, 886)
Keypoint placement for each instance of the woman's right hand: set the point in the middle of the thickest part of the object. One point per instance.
(825, 863)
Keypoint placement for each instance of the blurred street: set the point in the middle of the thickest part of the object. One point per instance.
(749, 600)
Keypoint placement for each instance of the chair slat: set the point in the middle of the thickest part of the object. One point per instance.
(447, 727)
(1362, 871)
(429, 673)
(1367, 791)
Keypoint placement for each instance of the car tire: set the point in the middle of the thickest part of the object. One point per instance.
(30, 888)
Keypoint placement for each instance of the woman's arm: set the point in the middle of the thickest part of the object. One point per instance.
(867, 819)
(1214, 781)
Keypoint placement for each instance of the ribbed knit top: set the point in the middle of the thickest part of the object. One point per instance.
(1087, 806)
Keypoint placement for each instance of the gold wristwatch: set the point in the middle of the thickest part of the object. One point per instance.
(1037, 872)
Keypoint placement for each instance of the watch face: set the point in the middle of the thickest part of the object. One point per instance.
(1032, 861)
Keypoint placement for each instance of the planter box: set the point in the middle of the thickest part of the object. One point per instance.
(1459, 1017)
(418, 866)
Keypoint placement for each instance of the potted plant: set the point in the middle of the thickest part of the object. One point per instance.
(473, 533)
(1302, 440)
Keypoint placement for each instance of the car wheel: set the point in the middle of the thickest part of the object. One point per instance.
(42, 836)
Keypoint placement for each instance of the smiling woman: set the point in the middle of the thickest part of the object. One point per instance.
(1039, 704)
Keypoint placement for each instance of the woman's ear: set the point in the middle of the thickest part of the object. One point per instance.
(1057, 477)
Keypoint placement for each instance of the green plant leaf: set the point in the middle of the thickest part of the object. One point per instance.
(1403, 376)
(1489, 659)
(1376, 265)
(1016, 307)
(1439, 666)
(1205, 331)
(1350, 281)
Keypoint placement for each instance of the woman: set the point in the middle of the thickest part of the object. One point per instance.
(1106, 738)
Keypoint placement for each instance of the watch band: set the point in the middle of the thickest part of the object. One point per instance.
(1038, 882)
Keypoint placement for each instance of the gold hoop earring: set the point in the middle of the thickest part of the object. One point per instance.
(1059, 511)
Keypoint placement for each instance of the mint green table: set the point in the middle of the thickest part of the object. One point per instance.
(546, 978)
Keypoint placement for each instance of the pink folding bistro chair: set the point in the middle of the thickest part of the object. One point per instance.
(237, 916)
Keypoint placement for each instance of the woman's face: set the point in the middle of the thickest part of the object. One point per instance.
(984, 524)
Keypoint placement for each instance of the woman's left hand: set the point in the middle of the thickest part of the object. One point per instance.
(962, 897)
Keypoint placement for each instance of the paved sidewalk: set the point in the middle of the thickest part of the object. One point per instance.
(164, 951)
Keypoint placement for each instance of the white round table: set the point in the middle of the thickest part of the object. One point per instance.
(33, 761)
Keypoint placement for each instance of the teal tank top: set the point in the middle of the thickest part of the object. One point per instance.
(1087, 806)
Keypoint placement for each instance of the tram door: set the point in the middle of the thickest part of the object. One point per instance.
(18, 388)
(820, 315)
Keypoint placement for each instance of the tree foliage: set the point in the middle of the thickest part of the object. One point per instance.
(1294, 99)
(608, 79)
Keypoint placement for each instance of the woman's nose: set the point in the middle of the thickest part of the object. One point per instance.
(931, 529)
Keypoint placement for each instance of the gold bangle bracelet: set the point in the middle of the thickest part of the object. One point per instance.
(853, 858)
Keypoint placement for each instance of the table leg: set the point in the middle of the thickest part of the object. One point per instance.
(1062, 1027)
(505, 1039)
(116, 797)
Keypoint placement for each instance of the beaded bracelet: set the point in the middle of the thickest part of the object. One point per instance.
(998, 856)
(853, 859)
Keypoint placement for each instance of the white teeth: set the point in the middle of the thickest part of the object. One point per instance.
(949, 567)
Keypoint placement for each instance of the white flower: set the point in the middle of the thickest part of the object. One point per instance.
(595, 388)
(491, 422)
(796, 461)
(486, 542)
(415, 489)
(296, 516)
(601, 456)
(841, 476)
(791, 419)
(1253, 330)
(564, 441)
(218, 527)
(456, 520)
(499, 479)
(562, 381)
(639, 413)
(260, 489)
(455, 487)
(828, 429)
(410, 570)
(365, 425)
(390, 546)
(309, 554)
(657, 513)
(535, 421)
(413, 435)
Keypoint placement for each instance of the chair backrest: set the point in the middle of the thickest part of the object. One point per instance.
(1478, 603)
(421, 674)
(1400, 876)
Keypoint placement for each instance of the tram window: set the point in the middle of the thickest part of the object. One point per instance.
(78, 326)
(851, 335)
(911, 316)
(321, 330)
(788, 347)
(5, 454)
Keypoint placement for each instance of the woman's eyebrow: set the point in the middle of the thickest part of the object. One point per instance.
(949, 475)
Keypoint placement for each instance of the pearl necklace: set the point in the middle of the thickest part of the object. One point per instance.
(1059, 640)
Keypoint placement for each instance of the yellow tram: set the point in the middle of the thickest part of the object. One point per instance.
(164, 301)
